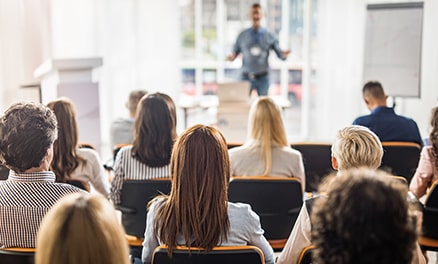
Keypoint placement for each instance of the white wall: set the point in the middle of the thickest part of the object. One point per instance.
(341, 32)
(139, 43)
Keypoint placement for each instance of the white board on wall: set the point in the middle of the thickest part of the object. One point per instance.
(392, 54)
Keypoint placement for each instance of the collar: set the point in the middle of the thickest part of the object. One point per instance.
(381, 109)
(43, 176)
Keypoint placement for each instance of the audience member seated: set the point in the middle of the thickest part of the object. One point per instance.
(267, 151)
(364, 218)
(196, 213)
(149, 155)
(383, 121)
(71, 163)
(427, 170)
(121, 130)
(27, 133)
(353, 147)
(82, 228)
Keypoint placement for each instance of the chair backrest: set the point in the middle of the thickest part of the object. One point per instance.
(306, 255)
(317, 162)
(218, 255)
(401, 158)
(79, 184)
(429, 227)
(277, 200)
(134, 199)
(4, 172)
(17, 255)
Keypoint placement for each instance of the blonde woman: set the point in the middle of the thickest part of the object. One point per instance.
(82, 228)
(267, 151)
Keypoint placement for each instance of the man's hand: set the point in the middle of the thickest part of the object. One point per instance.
(285, 53)
(231, 57)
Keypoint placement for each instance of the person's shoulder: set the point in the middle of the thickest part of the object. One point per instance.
(65, 188)
(87, 152)
(238, 150)
(288, 150)
(121, 121)
(239, 207)
(362, 120)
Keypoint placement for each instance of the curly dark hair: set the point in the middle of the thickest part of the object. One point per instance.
(364, 219)
(27, 131)
(433, 136)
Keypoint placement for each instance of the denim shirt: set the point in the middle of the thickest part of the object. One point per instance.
(254, 46)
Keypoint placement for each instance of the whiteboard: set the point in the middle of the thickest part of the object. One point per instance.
(393, 47)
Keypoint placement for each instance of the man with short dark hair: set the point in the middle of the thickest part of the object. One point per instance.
(27, 133)
(383, 120)
(254, 43)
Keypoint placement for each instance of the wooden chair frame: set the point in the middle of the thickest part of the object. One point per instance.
(192, 254)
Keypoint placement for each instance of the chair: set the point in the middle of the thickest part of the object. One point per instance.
(306, 255)
(233, 144)
(17, 255)
(277, 201)
(428, 239)
(218, 255)
(134, 199)
(401, 158)
(317, 162)
(4, 172)
(400, 179)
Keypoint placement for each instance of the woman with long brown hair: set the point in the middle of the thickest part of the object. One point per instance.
(71, 163)
(149, 155)
(197, 212)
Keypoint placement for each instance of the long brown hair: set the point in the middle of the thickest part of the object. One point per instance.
(65, 158)
(154, 130)
(433, 136)
(197, 206)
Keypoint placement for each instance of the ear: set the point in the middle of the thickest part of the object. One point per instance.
(334, 163)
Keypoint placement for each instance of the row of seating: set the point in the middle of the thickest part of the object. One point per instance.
(248, 254)
(277, 218)
(399, 158)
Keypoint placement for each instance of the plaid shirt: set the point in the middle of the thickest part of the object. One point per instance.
(24, 200)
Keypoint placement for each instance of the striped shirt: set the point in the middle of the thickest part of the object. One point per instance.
(126, 167)
(24, 200)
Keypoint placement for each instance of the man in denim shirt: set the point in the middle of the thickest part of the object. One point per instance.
(254, 43)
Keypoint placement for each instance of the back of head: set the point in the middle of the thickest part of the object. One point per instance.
(27, 131)
(363, 219)
(81, 228)
(265, 123)
(197, 204)
(357, 146)
(134, 97)
(373, 90)
(266, 129)
(154, 130)
(65, 159)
